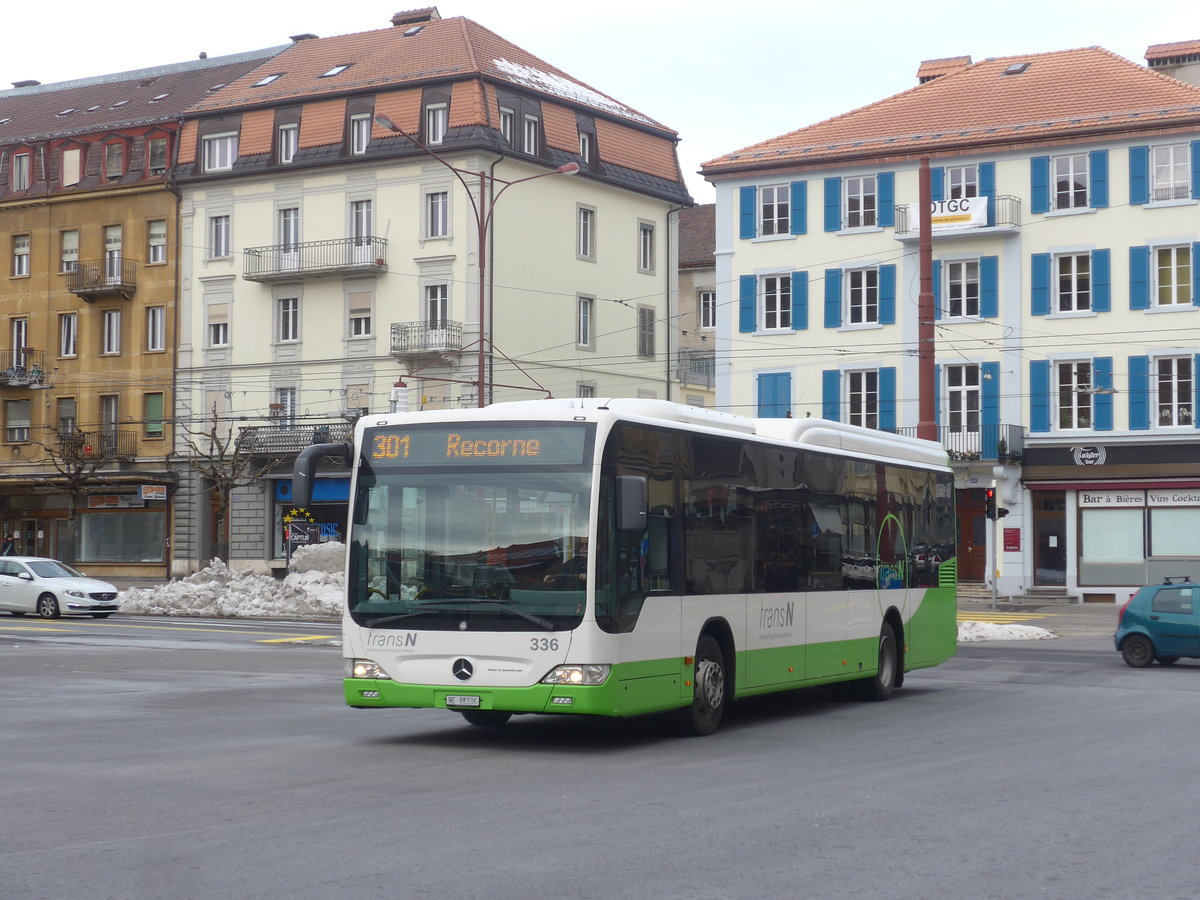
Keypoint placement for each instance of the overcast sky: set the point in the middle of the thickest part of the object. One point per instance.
(724, 75)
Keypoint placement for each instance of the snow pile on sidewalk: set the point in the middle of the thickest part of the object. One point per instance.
(313, 587)
(989, 631)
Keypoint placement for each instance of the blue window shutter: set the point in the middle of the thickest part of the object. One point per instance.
(831, 395)
(1139, 175)
(1098, 174)
(1039, 184)
(989, 409)
(886, 206)
(833, 298)
(1101, 281)
(887, 398)
(987, 188)
(936, 274)
(1139, 277)
(799, 301)
(774, 395)
(1196, 181)
(937, 183)
(1139, 393)
(1196, 273)
(833, 204)
(799, 207)
(1196, 381)
(989, 287)
(1102, 404)
(748, 212)
(1040, 284)
(1039, 395)
(887, 294)
(937, 395)
(747, 304)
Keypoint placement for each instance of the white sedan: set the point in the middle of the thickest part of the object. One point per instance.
(32, 584)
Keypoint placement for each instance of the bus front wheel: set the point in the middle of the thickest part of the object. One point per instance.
(884, 682)
(709, 686)
(486, 718)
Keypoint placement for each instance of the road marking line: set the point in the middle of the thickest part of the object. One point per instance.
(31, 628)
(83, 623)
(299, 638)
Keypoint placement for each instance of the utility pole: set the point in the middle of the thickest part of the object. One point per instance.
(927, 402)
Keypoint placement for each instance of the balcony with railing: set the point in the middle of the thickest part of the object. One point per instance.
(23, 368)
(291, 437)
(415, 340)
(1003, 214)
(697, 367)
(105, 444)
(313, 259)
(115, 276)
(1002, 443)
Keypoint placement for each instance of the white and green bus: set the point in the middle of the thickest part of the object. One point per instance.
(623, 557)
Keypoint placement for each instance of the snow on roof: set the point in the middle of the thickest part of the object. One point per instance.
(558, 86)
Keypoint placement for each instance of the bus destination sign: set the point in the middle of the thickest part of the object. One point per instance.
(504, 443)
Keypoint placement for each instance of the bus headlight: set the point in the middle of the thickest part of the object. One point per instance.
(364, 668)
(577, 675)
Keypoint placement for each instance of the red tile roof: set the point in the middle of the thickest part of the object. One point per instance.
(932, 68)
(1056, 95)
(1179, 48)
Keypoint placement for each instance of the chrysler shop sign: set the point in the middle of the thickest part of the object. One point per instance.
(949, 215)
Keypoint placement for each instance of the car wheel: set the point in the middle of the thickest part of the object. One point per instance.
(47, 607)
(101, 615)
(486, 718)
(1166, 660)
(709, 690)
(1137, 651)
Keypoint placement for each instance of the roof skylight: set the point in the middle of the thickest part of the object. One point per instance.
(415, 30)
(268, 79)
(336, 70)
(1016, 68)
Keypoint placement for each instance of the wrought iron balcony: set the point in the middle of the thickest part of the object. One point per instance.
(23, 368)
(105, 444)
(284, 438)
(112, 277)
(1004, 212)
(341, 256)
(411, 340)
(1003, 443)
(698, 367)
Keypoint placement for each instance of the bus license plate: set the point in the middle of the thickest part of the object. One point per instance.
(461, 700)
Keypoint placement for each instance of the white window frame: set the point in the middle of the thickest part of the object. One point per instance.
(20, 258)
(437, 122)
(585, 233)
(646, 248)
(68, 250)
(1072, 288)
(1172, 274)
(961, 288)
(114, 160)
(646, 336)
(962, 182)
(156, 330)
(585, 146)
(585, 312)
(508, 120)
(362, 221)
(1069, 182)
(1073, 382)
(776, 302)
(219, 151)
(1170, 173)
(862, 296)
(437, 214)
(219, 230)
(1173, 391)
(531, 134)
(964, 397)
(16, 420)
(19, 332)
(862, 397)
(774, 209)
(288, 142)
(153, 146)
(287, 320)
(706, 307)
(22, 170)
(68, 335)
(860, 201)
(360, 324)
(114, 242)
(287, 402)
(156, 241)
(437, 306)
(110, 332)
(360, 133)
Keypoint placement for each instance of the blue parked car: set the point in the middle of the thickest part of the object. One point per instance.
(1161, 622)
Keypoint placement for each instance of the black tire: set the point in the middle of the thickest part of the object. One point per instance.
(101, 615)
(16, 612)
(1166, 660)
(486, 718)
(710, 690)
(1137, 651)
(883, 683)
(47, 607)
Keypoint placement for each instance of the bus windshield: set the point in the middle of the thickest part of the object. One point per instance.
(482, 545)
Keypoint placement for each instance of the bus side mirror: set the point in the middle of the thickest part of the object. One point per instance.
(632, 497)
(305, 469)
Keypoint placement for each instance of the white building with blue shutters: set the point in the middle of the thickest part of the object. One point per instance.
(1066, 234)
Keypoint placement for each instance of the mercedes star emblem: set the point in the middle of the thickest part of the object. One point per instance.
(462, 669)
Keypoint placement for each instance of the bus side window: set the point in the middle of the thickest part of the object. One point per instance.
(658, 550)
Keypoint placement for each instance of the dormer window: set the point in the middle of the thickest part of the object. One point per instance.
(156, 152)
(114, 161)
(220, 150)
(289, 141)
(336, 70)
(437, 116)
(19, 180)
(360, 133)
(530, 135)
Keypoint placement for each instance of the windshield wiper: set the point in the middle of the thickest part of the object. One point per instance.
(458, 606)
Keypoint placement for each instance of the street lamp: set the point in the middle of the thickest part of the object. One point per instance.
(482, 210)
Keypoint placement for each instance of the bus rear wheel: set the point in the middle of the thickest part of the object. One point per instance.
(486, 718)
(710, 689)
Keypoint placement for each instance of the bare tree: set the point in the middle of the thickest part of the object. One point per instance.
(225, 461)
(75, 456)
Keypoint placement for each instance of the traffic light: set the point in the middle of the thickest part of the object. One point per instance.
(993, 511)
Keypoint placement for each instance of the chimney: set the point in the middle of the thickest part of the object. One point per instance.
(936, 68)
(297, 38)
(416, 16)
(21, 84)
(1180, 60)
